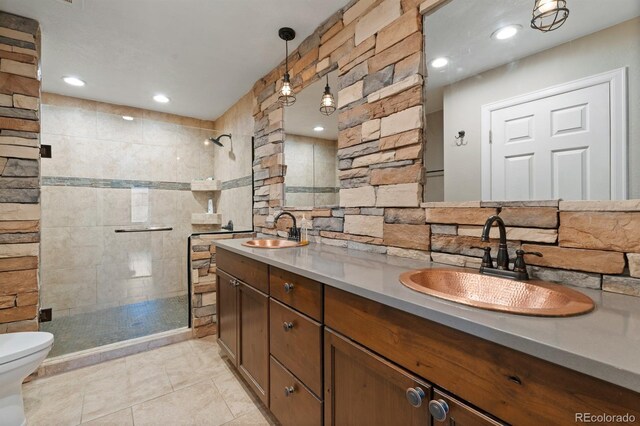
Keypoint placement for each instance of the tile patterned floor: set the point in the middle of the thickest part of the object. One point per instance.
(186, 383)
(85, 331)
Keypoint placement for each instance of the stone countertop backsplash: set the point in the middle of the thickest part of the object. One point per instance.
(591, 244)
(602, 344)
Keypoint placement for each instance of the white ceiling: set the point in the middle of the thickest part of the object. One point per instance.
(461, 30)
(203, 54)
(304, 115)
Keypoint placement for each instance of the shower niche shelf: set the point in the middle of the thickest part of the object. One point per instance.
(206, 218)
(206, 185)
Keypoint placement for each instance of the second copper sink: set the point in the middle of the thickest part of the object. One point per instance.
(536, 298)
(271, 244)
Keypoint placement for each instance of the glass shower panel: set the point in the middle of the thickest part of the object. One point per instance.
(116, 214)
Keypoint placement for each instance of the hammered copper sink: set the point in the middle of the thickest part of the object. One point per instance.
(271, 244)
(535, 298)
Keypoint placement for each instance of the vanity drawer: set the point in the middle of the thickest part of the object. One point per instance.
(299, 407)
(302, 294)
(296, 342)
(250, 271)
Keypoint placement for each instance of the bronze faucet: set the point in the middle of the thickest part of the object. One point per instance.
(519, 271)
(294, 231)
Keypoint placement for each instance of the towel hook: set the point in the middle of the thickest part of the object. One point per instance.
(460, 138)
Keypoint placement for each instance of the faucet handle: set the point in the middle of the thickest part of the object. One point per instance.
(487, 261)
(519, 265)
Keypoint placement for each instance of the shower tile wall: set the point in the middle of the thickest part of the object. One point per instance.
(234, 161)
(86, 195)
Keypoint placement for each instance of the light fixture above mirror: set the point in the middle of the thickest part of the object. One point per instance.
(287, 97)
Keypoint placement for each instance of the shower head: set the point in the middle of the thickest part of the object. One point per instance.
(217, 140)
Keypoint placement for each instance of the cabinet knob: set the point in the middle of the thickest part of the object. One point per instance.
(439, 409)
(286, 326)
(415, 396)
(288, 287)
(236, 283)
(288, 390)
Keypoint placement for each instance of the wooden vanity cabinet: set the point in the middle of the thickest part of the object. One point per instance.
(510, 385)
(318, 355)
(243, 318)
(362, 388)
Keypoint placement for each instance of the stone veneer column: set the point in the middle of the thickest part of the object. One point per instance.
(377, 48)
(204, 281)
(19, 173)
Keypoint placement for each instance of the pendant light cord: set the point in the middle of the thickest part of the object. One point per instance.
(286, 58)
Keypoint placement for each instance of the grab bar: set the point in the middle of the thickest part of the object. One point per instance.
(149, 229)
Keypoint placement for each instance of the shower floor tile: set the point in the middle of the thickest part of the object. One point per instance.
(89, 330)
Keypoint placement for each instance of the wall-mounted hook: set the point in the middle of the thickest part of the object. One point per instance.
(460, 138)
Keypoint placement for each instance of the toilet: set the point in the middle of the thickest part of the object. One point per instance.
(20, 355)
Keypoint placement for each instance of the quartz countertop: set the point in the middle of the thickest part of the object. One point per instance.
(604, 343)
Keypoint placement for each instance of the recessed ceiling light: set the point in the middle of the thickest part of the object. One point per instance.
(505, 32)
(439, 62)
(73, 81)
(161, 98)
(127, 117)
(318, 129)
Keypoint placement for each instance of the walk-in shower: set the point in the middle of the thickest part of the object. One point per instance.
(119, 200)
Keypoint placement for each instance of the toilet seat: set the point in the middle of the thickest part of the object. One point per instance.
(14, 346)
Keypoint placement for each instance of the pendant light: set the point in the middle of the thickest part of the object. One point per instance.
(549, 15)
(328, 103)
(287, 97)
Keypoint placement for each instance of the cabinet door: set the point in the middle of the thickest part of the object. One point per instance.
(253, 359)
(363, 389)
(449, 411)
(227, 313)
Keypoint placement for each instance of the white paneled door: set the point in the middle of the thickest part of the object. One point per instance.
(557, 144)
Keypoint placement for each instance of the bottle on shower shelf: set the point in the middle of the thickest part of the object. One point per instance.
(210, 206)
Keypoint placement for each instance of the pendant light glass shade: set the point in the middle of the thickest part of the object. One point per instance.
(328, 103)
(286, 97)
(549, 15)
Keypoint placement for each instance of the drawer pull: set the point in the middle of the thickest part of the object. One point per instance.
(439, 409)
(415, 396)
(289, 390)
(288, 287)
(286, 326)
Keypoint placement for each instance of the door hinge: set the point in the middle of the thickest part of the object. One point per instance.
(45, 151)
(490, 137)
(45, 315)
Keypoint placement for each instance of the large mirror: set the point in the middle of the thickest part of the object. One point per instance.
(515, 113)
(311, 148)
